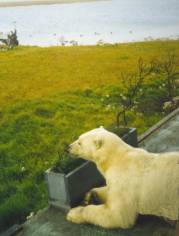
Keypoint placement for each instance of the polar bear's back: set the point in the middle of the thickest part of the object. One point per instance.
(160, 186)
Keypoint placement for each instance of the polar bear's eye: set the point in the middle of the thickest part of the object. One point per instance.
(79, 143)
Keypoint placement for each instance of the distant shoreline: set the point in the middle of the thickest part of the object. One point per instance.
(41, 2)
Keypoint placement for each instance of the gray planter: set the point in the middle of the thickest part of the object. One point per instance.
(129, 134)
(131, 137)
(66, 191)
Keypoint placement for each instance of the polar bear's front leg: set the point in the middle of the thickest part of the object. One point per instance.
(99, 194)
(99, 215)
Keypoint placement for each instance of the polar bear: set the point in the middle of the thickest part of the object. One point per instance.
(137, 182)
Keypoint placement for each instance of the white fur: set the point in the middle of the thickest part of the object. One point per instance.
(138, 182)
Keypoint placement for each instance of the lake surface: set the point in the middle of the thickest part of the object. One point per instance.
(111, 21)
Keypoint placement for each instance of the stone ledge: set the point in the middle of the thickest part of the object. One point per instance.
(151, 130)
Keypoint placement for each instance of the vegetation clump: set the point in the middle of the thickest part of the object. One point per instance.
(67, 163)
(11, 41)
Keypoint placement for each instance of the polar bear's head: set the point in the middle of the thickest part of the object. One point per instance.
(95, 144)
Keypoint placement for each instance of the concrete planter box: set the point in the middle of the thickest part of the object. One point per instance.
(129, 137)
(66, 191)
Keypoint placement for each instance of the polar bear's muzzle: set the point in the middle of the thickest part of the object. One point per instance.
(73, 149)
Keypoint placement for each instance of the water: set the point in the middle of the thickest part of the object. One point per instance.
(110, 21)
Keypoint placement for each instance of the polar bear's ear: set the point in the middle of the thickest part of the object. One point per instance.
(101, 127)
(98, 143)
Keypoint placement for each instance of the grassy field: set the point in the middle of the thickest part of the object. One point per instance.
(48, 96)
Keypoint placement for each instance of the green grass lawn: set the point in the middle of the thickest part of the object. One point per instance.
(48, 96)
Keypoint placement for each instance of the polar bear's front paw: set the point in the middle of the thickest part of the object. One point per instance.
(87, 198)
(75, 215)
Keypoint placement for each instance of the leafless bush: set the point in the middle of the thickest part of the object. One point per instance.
(132, 84)
(169, 69)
